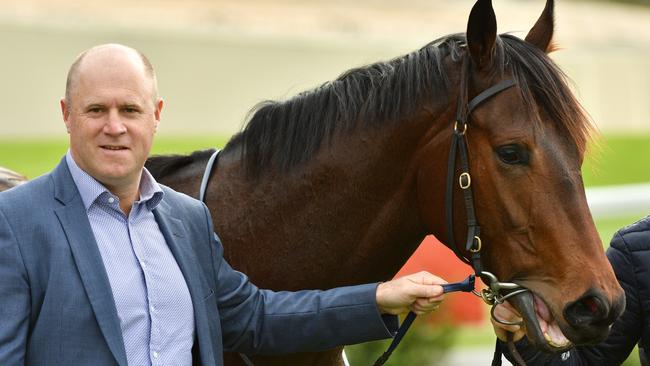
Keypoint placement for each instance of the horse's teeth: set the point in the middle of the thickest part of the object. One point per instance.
(552, 343)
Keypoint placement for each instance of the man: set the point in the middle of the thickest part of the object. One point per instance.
(99, 265)
(629, 254)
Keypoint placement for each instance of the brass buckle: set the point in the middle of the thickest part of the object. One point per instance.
(456, 128)
(465, 180)
(478, 248)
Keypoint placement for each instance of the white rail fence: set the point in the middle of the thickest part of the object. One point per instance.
(617, 201)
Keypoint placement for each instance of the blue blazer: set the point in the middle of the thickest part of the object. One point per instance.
(56, 305)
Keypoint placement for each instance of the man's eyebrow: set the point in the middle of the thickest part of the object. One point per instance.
(93, 105)
(134, 105)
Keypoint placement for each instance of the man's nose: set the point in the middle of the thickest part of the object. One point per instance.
(114, 123)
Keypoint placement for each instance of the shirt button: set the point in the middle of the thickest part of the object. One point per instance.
(111, 200)
(155, 355)
(152, 308)
(142, 264)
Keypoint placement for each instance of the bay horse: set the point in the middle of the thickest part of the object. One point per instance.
(338, 185)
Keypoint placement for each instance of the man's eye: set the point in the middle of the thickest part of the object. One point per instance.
(94, 110)
(513, 154)
(130, 110)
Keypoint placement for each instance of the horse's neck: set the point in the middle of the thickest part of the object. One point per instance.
(349, 215)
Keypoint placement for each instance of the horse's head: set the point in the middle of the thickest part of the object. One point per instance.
(526, 146)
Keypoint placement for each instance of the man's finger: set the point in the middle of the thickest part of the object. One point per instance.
(427, 291)
(427, 278)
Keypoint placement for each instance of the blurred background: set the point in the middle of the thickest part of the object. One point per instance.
(216, 59)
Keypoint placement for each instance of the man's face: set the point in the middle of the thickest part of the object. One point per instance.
(112, 117)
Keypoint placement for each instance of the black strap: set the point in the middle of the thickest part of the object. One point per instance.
(487, 93)
(472, 242)
(459, 144)
(401, 332)
(449, 195)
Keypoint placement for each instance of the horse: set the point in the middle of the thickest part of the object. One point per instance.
(10, 179)
(339, 184)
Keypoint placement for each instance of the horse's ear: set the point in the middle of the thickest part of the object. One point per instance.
(541, 35)
(482, 33)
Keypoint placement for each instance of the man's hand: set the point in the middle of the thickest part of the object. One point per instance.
(420, 292)
(508, 313)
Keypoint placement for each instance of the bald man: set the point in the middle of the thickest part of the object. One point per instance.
(101, 265)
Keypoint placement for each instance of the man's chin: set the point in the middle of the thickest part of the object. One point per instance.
(119, 179)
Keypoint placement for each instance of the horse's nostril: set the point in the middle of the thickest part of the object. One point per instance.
(591, 305)
(590, 310)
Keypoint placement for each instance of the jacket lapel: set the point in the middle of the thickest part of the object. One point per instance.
(175, 234)
(89, 262)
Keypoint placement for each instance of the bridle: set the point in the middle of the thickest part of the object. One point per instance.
(496, 292)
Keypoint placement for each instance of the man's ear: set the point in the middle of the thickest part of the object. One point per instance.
(482, 33)
(65, 112)
(541, 35)
(159, 106)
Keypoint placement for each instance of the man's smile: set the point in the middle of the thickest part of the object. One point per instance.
(113, 147)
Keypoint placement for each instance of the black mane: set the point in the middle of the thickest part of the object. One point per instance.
(281, 135)
(286, 133)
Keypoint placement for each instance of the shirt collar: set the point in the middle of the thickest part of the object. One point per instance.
(90, 189)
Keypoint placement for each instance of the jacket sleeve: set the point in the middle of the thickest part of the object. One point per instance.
(625, 332)
(255, 321)
(14, 298)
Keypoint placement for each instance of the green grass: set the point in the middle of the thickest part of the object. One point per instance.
(618, 160)
(36, 157)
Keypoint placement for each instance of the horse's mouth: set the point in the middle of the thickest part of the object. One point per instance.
(542, 328)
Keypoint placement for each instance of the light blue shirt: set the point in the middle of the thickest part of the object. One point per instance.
(151, 297)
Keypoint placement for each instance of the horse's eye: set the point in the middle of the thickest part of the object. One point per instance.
(513, 154)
